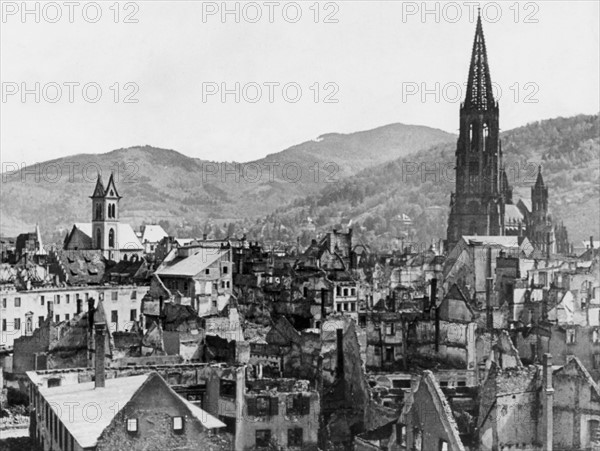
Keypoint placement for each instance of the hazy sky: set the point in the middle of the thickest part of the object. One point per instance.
(374, 58)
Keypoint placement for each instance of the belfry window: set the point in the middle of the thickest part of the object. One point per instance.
(98, 239)
(111, 238)
(471, 138)
(98, 211)
(486, 133)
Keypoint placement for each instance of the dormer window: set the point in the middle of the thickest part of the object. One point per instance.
(178, 425)
(132, 425)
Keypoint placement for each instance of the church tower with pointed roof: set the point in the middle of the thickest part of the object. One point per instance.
(105, 218)
(477, 206)
(540, 230)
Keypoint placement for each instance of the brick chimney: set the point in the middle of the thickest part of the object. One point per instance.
(340, 352)
(99, 356)
(591, 242)
(489, 313)
(548, 402)
(91, 309)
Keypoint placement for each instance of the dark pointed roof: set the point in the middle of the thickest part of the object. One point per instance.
(539, 181)
(99, 190)
(111, 189)
(479, 85)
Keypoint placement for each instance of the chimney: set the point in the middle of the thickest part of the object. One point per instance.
(548, 402)
(591, 242)
(432, 305)
(489, 318)
(340, 352)
(204, 235)
(161, 304)
(99, 356)
(50, 310)
(91, 314)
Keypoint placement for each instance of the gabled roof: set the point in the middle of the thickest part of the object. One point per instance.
(81, 266)
(500, 241)
(192, 265)
(118, 392)
(576, 364)
(512, 216)
(153, 233)
(443, 410)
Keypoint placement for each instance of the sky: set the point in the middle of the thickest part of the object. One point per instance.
(238, 81)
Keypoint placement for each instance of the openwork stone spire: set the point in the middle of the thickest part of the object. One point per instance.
(479, 86)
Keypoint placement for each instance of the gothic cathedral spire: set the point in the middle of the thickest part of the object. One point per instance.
(478, 204)
(479, 84)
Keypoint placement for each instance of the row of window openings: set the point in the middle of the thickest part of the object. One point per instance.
(346, 307)
(345, 291)
(173, 284)
(263, 438)
(269, 406)
(57, 298)
(571, 336)
(177, 425)
(29, 322)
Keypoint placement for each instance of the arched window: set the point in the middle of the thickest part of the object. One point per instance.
(471, 137)
(594, 432)
(111, 238)
(486, 133)
(98, 239)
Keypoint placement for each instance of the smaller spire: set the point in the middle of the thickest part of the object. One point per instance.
(539, 182)
(99, 190)
(111, 188)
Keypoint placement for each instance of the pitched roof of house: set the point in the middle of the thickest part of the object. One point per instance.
(512, 216)
(501, 241)
(153, 233)
(76, 399)
(82, 266)
(576, 363)
(128, 271)
(192, 265)
(444, 411)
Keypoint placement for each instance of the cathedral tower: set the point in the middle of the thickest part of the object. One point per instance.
(477, 205)
(105, 218)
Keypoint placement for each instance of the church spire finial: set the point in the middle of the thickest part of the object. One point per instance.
(479, 85)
